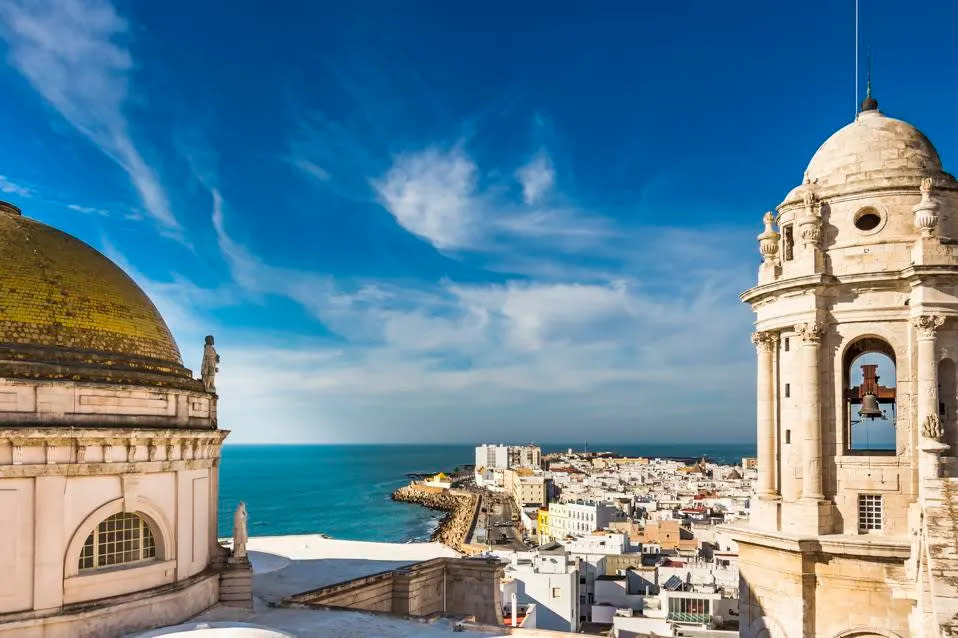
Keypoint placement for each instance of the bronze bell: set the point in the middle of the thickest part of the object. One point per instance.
(870, 408)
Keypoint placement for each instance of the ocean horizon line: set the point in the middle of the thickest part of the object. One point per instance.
(447, 443)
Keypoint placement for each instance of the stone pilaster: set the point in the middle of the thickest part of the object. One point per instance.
(929, 425)
(811, 334)
(765, 344)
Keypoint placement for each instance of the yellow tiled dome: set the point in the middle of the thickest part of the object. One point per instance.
(59, 296)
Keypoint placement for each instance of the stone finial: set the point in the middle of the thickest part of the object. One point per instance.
(926, 211)
(210, 365)
(768, 240)
(240, 535)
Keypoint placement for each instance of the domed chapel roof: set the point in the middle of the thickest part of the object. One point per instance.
(63, 305)
(873, 142)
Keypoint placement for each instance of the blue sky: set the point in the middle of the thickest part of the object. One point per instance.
(433, 222)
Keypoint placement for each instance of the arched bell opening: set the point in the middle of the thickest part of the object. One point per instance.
(948, 402)
(870, 397)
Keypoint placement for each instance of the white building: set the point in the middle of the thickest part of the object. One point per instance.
(492, 457)
(525, 456)
(549, 578)
(492, 461)
(599, 543)
(580, 518)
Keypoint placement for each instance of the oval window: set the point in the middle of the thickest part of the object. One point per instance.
(867, 219)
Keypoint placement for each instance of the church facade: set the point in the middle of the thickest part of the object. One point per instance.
(109, 448)
(852, 532)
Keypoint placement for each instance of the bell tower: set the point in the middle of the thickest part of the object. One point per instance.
(856, 338)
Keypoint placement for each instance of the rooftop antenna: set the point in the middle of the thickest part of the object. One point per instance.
(856, 59)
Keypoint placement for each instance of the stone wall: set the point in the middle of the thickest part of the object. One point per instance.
(119, 616)
(59, 484)
(455, 587)
(462, 507)
(797, 588)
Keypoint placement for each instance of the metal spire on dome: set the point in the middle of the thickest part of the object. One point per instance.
(869, 103)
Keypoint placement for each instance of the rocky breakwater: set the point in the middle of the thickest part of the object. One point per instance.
(455, 526)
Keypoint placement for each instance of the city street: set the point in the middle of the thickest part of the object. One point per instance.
(495, 525)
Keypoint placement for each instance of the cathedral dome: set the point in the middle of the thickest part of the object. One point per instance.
(68, 312)
(873, 145)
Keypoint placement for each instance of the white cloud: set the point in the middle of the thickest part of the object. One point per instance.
(435, 194)
(415, 358)
(432, 194)
(72, 53)
(537, 177)
(89, 210)
(13, 188)
(310, 168)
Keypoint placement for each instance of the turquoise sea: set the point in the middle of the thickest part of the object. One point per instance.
(343, 490)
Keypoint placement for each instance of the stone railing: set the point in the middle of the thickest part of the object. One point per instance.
(452, 587)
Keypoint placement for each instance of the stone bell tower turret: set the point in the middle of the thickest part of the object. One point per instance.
(856, 339)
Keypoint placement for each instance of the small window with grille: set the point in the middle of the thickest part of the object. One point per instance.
(120, 539)
(869, 512)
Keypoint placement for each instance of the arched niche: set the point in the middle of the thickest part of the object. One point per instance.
(869, 367)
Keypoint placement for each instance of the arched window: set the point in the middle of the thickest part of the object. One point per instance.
(118, 540)
(870, 395)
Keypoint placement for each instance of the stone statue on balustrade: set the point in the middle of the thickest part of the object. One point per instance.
(240, 535)
(210, 365)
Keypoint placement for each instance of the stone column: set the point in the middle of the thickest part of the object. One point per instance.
(811, 334)
(765, 344)
(929, 424)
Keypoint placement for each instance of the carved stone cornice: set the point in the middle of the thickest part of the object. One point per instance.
(811, 332)
(765, 341)
(926, 325)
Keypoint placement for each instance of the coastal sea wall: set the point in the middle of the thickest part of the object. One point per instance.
(462, 507)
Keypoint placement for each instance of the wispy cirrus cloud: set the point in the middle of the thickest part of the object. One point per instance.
(412, 354)
(310, 168)
(73, 53)
(10, 187)
(537, 177)
(89, 210)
